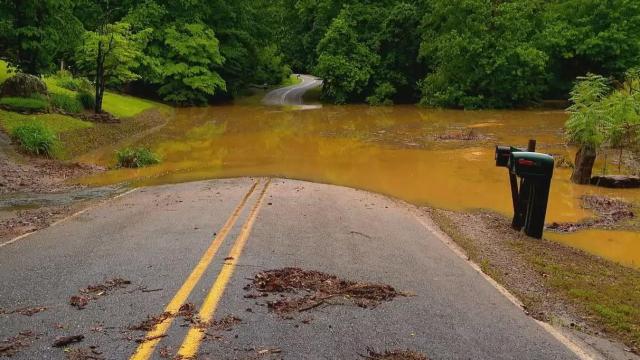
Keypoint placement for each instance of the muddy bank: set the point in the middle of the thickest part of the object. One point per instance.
(585, 294)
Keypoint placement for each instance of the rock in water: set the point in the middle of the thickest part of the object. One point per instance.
(616, 181)
(23, 85)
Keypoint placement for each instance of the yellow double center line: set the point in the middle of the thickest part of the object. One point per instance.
(192, 342)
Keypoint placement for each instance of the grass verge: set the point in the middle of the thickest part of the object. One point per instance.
(554, 281)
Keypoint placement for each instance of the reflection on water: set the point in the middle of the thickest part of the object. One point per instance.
(389, 150)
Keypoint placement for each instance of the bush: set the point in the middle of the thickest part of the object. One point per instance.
(35, 138)
(31, 104)
(66, 80)
(66, 103)
(86, 99)
(136, 158)
(23, 85)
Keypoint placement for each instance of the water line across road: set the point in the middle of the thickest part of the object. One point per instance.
(158, 237)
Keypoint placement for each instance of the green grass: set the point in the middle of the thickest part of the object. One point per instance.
(292, 80)
(25, 104)
(4, 71)
(35, 138)
(68, 103)
(127, 106)
(55, 122)
(136, 158)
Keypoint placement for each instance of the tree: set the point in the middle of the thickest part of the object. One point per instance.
(481, 54)
(110, 55)
(189, 68)
(345, 63)
(587, 124)
(623, 107)
(596, 36)
(36, 34)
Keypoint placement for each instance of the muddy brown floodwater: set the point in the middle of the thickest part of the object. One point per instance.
(441, 158)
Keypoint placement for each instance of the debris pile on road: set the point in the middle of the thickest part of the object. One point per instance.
(609, 211)
(319, 289)
(394, 355)
(26, 311)
(14, 344)
(66, 340)
(92, 292)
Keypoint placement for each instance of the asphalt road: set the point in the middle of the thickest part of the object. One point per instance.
(201, 243)
(292, 95)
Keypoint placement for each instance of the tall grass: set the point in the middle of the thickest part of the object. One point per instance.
(35, 138)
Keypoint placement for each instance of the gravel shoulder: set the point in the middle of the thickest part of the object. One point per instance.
(591, 298)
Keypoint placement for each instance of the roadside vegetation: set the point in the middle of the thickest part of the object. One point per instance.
(35, 138)
(59, 113)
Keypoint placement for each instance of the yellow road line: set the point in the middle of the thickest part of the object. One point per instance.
(194, 337)
(145, 350)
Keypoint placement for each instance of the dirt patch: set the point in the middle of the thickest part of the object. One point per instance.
(39, 175)
(310, 289)
(556, 283)
(15, 344)
(394, 355)
(609, 212)
(93, 292)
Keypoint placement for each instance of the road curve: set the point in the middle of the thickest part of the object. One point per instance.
(292, 95)
(202, 243)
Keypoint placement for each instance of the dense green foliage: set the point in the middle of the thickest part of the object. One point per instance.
(65, 102)
(603, 116)
(32, 104)
(86, 99)
(66, 80)
(467, 53)
(136, 158)
(35, 138)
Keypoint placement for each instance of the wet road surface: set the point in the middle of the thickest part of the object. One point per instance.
(203, 242)
(292, 95)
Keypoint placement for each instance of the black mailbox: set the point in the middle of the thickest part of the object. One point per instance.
(530, 200)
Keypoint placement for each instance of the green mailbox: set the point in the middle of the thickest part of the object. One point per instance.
(535, 171)
(531, 164)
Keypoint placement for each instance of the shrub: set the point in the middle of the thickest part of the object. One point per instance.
(66, 80)
(66, 103)
(35, 138)
(136, 158)
(31, 104)
(86, 99)
(23, 85)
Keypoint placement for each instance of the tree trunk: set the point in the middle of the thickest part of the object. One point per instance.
(585, 157)
(99, 79)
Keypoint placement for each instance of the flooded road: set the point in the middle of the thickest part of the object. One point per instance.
(441, 158)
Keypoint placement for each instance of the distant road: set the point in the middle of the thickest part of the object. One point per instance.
(292, 95)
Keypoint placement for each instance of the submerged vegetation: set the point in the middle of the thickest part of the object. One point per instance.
(136, 158)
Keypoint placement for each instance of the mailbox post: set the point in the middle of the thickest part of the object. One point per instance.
(530, 200)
